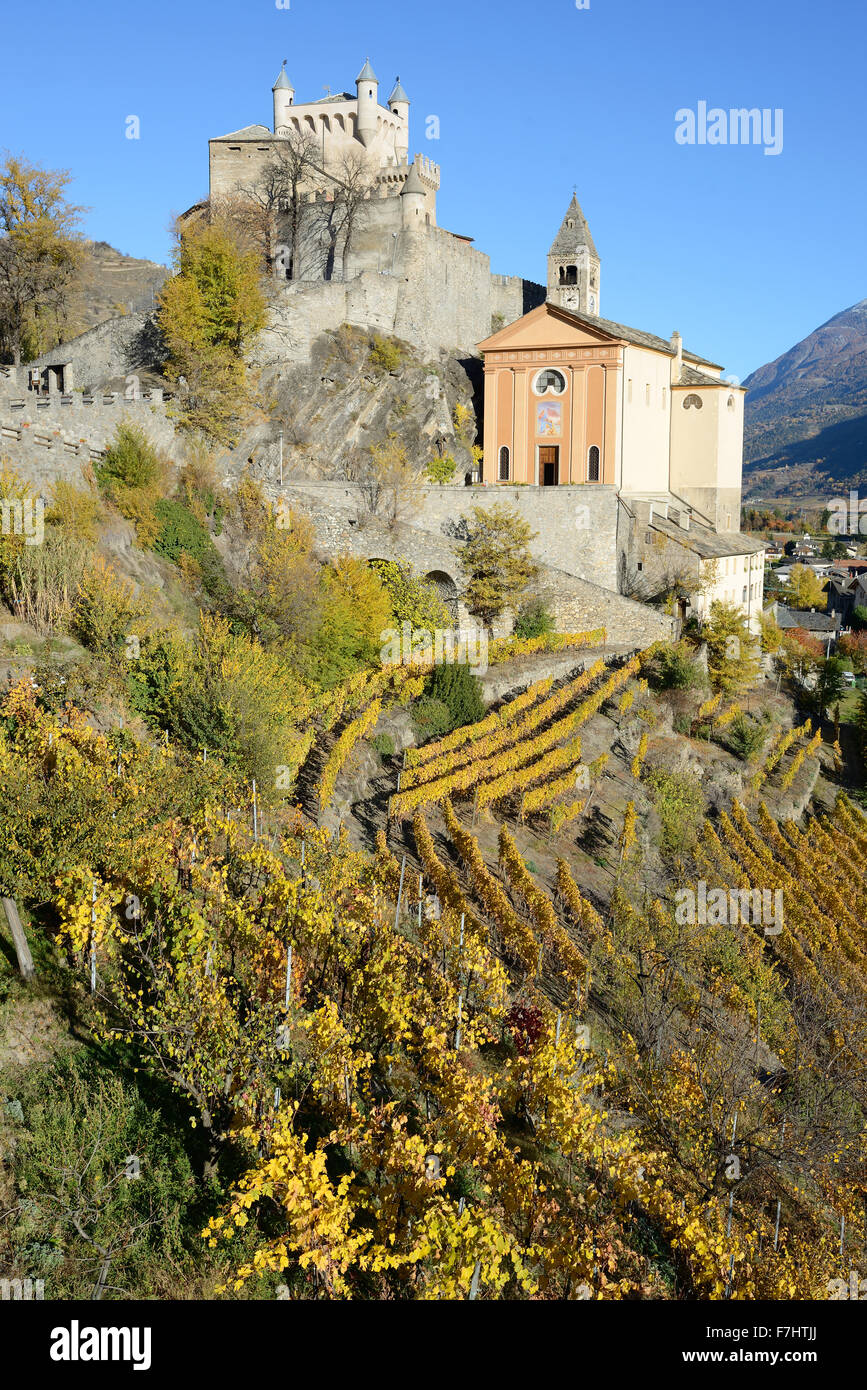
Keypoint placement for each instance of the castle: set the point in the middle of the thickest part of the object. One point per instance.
(622, 449)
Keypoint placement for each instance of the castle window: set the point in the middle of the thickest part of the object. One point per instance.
(504, 465)
(593, 464)
(551, 381)
(692, 400)
(647, 393)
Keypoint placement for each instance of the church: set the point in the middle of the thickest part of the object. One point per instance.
(575, 399)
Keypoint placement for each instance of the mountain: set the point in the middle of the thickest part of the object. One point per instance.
(806, 413)
(112, 284)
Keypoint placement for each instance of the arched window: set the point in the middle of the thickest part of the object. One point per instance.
(550, 380)
(731, 402)
(571, 275)
(593, 465)
(503, 475)
(692, 401)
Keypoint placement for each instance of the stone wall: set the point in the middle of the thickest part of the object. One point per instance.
(50, 437)
(117, 348)
(575, 545)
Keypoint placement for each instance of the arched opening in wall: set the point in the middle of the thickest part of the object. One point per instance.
(339, 123)
(571, 275)
(505, 460)
(593, 464)
(326, 124)
(447, 590)
(310, 124)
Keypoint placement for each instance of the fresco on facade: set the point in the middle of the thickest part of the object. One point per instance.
(549, 421)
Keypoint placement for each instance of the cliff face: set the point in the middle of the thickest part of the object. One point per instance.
(352, 395)
(806, 413)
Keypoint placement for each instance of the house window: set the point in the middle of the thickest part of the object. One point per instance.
(593, 464)
(504, 464)
(647, 393)
(550, 381)
(629, 390)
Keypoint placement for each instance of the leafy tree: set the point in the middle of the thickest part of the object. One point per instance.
(497, 561)
(210, 312)
(441, 469)
(182, 534)
(107, 609)
(830, 684)
(805, 590)
(387, 480)
(853, 645)
(859, 617)
(731, 649)
(356, 613)
(413, 599)
(41, 255)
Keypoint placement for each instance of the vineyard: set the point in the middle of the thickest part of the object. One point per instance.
(439, 1069)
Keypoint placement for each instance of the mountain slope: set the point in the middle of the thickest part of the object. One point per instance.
(807, 411)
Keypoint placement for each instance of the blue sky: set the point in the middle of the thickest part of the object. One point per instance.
(743, 252)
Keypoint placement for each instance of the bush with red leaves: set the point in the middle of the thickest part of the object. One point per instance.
(525, 1024)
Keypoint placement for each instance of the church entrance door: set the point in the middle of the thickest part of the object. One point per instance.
(549, 465)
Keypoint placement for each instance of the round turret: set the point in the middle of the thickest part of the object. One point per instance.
(398, 104)
(414, 199)
(367, 84)
(284, 97)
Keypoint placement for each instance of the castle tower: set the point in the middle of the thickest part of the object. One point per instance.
(413, 200)
(367, 84)
(573, 265)
(399, 106)
(284, 97)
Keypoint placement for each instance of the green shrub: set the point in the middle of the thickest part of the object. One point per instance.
(746, 738)
(432, 718)
(679, 802)
(384, 745)
(130, 461)
(80, 1127)
(413, 599)
(674, 668)
(182, 534)
(533, 620)
(460, 691)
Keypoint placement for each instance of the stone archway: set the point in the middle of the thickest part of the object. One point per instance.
(447, 590)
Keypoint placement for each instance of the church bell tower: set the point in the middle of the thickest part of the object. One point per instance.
(573, 265)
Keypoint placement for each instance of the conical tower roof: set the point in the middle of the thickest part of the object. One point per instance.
(574, 233)
(413, 183)
(367, 74)
(398, 94)
(282, 84)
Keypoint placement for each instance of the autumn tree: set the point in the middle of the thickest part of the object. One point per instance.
(732, 656)
(497, 562)
(210, 312)
(41, 254)
(387, 480)
(805, 590)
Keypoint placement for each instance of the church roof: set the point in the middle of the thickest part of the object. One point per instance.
(690, 377)
(367, 74)
(569, 238)
(398, 94)
(636, 336)
(704, 542)
(282, 84)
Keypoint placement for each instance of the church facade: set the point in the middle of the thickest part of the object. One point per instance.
(572, 398)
